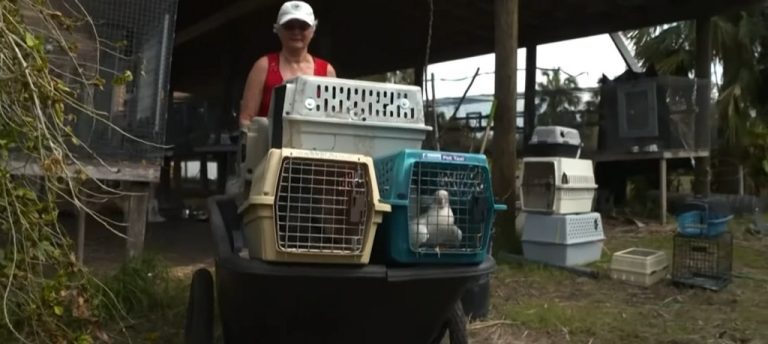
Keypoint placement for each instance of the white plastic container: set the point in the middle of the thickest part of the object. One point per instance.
(348, 116)
(555, 135)
(253, 149)
(312, 207)
(557, 185)
(639, 266)
(563, 240)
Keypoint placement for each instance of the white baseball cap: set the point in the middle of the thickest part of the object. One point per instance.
(296, 10)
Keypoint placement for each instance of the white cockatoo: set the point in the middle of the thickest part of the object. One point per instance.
(436, 225)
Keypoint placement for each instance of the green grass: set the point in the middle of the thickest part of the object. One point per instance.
(559, 306)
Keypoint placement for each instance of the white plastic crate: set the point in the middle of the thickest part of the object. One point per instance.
(555, 135)
(312, 207)
(557, 185)
(254, 148)
(639, 266)
(348, 116)
(564, 240)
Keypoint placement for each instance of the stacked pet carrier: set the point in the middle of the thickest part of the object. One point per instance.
(350, 228)
(702, 253)
(557, 193)
(335, 145)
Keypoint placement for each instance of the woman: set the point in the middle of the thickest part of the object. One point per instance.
(295, 27)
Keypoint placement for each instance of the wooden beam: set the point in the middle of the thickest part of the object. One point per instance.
(136, 214)
(703, 103)
(222, 17)
(118, 171)
(529, 118)
(504, 158)
(663, 191)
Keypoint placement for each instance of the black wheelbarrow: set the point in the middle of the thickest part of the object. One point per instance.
(262, 302)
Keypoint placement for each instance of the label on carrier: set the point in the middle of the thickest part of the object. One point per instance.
(440, 156)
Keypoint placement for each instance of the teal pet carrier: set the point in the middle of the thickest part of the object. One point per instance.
(442, 207)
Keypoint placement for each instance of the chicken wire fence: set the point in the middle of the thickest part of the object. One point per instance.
(322, 206)
(127, 44)
(448, 205)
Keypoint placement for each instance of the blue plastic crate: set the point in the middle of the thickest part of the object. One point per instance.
(702, 223)
(412, 181)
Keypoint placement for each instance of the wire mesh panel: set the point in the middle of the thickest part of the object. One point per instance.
(703, 262)
(448, 205)
(322, 206)
(130, 42)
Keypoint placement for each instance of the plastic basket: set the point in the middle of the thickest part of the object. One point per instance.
(312, 207)
(414, 232)
(702, 222)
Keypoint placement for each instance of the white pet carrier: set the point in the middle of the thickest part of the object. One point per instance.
(254, 147)
(557, 185)
(563, 240)
(312, 207)
(349, 116)
(555, 134)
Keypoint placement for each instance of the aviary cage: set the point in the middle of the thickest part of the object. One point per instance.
(128, 46)
(312, 207)
(442, 207)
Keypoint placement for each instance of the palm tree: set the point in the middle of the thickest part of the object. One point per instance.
(556, 100)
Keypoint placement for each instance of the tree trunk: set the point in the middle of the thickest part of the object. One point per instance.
(504, 163)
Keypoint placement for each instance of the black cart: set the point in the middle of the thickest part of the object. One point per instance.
(262, 302)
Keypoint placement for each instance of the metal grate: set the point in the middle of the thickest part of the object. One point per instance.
(449, 206)
(703, 262)
(130, 36)
(322, 206)
(357, 100)
(538, 185)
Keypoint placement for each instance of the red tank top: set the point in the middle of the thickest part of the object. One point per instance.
(274, 79)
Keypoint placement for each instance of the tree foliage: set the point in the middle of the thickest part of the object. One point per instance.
(740, 46)
(47, 297)
(557, 100)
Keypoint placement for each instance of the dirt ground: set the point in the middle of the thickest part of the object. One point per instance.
(534, 304)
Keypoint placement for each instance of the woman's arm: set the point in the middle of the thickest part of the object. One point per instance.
(252, 94)
(331, 71)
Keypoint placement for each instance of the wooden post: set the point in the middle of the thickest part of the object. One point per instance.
(741, 180)
(703, 125)
(504, 145)
(529, 119)
(137, 217)
(663, 191)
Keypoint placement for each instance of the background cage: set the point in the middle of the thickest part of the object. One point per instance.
(563, 240)
(313, 207)
(128, 46)
(557, 185)
(411, 182)
(348, 116)
(704, 262)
